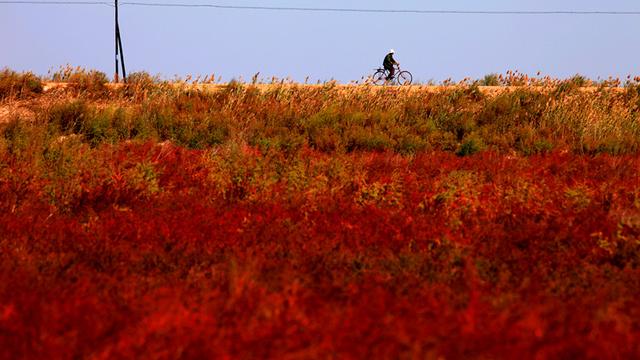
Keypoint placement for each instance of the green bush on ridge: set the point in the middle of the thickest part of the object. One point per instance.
(17, 85)
(289, 117)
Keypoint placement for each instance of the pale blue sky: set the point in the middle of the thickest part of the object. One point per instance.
(344, 46)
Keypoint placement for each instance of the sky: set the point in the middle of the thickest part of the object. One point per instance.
(323, 45)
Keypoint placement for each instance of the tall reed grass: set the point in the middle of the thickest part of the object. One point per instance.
(462, 119)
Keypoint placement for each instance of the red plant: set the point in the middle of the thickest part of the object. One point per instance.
(154, 251)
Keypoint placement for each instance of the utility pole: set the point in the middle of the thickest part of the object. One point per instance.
(119, 51)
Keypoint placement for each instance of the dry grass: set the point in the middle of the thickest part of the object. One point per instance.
(523, 115)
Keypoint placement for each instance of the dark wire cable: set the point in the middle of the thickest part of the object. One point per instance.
(318, 9)
(385, 11)
(28, 2)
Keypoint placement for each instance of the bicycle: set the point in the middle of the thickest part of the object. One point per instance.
(401, 77)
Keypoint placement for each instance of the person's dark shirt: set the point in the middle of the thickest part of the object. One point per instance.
(389, 61)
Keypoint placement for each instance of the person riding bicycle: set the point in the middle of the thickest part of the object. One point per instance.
(389, 63)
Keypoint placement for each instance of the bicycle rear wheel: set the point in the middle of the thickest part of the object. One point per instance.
(404, 78)
(379, 78)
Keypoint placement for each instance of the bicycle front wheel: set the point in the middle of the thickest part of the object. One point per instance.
(379, 78)
(405, 78)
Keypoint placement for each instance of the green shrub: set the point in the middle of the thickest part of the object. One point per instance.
(16, 85)
(23, 139)
(139, 85)
(324, 129)
(98, 129)
(121, 123)
(410, 144)
(69, 116)
(580, 81)
(470, 146)
(108, 125)
(459, 123)
(142, 80)
(325, 139)
(287, 144)
(368, 140)
(490, 80)
(210, 132)
(90, 82)
(573, 84)
(16, 134)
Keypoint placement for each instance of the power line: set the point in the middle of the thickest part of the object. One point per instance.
(344, 10)
(396, 11)
(57, 2)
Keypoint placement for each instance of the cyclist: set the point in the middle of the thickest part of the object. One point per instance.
(389, 63)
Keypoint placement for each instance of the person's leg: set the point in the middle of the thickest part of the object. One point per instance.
(391, 71)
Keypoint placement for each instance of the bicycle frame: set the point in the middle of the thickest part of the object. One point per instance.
(386, 72)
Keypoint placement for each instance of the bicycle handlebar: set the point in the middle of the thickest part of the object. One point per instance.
(396, 66)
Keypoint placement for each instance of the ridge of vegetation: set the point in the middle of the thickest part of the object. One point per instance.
(329, 119)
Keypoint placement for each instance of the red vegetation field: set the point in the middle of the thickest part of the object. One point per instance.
(302, 223)
(163, 252)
